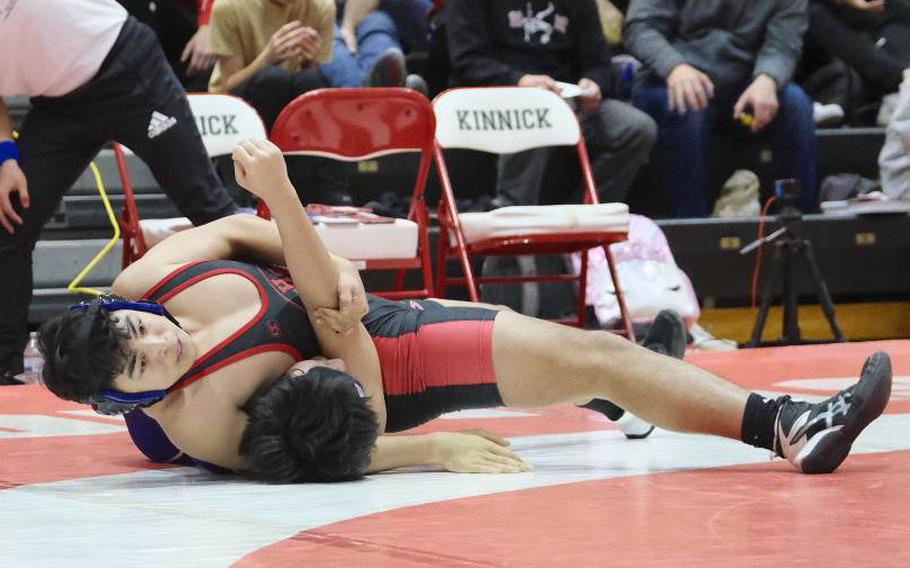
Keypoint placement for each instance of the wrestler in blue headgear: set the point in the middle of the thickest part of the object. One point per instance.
(86, 348)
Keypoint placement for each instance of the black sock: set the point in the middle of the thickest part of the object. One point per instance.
(606, 408)
(758, 420)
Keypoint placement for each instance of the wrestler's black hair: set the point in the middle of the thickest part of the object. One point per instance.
(309, 427)
(84, 350)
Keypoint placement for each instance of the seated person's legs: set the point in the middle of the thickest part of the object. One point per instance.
(681, 150)
(378, 61)
(620, 139)
(411, 20)
(377, 40)
(343, 70)
(267, 91)
(793, 135)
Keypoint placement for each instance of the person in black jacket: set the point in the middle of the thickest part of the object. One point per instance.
(535, 43)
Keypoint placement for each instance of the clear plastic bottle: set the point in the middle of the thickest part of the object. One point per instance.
(33, 362)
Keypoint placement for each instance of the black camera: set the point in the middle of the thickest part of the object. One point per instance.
(787, 190)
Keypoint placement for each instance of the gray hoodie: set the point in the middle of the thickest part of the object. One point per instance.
(732, 41)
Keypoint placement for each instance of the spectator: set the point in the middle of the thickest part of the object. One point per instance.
(894, 158)
(269, 52)
(535, 43)
(93, 74)
(411, 18)
(367, 50)
(871, 37)
(182, 27)
(709, 64)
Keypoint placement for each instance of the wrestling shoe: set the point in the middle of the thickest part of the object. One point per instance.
(816, 438)
(633, 427)
(7, 379)
(667, 335)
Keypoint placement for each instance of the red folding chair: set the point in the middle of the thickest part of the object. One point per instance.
(504, 120)
(223, 121)
(359, 124)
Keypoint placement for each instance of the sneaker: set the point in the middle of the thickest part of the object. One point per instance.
(389, 70)
(816, 438)
(667, 335)
(827, 116)
(416, 83)
(7, 379)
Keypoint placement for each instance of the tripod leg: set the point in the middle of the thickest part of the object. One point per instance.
(790, 332)
(821, 290)
(767, 295)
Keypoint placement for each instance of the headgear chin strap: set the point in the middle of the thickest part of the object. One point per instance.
(110, 402)
(113, 402)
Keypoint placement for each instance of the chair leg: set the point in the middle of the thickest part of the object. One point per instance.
(620, 298)
(442, 259)
(399, 279)
(469, 280)
(583, 291)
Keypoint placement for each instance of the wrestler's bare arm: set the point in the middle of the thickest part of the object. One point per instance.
(240, 237)
(260, 168)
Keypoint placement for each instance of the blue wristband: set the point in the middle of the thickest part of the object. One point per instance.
(9, 150)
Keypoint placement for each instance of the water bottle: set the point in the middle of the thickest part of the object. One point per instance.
(33, 362)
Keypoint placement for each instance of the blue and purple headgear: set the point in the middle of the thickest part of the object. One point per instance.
(110, 402)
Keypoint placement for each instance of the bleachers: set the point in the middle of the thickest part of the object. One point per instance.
(702, 246)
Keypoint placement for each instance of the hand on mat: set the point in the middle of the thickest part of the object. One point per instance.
(477, 451)
(688, 89)
(198, 52)
(260, 169)
(12, 180)
(352, 306)
(761, 97)
(592, 97)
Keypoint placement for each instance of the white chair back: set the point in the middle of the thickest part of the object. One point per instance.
(504, 120)
(223, 121)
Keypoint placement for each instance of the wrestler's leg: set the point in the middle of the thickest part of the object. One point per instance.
(540, 363)
(632, 426)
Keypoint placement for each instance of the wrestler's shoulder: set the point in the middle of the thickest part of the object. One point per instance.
(137, 278)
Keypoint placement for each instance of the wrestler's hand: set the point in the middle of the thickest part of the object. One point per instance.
(352, 305)
(260, 169)
(12, 180)
(476, 451)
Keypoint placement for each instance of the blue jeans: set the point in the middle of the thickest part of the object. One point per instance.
(683, 141)
(411, 19)
(375, 34)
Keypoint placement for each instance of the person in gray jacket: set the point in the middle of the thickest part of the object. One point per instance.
(721, 64)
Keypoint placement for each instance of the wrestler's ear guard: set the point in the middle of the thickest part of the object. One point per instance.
(113, 403)
(112, 305)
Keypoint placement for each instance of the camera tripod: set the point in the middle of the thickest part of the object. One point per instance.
(790, 248)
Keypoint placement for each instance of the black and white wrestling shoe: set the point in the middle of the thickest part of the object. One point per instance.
(667, 336)
(816, 438)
